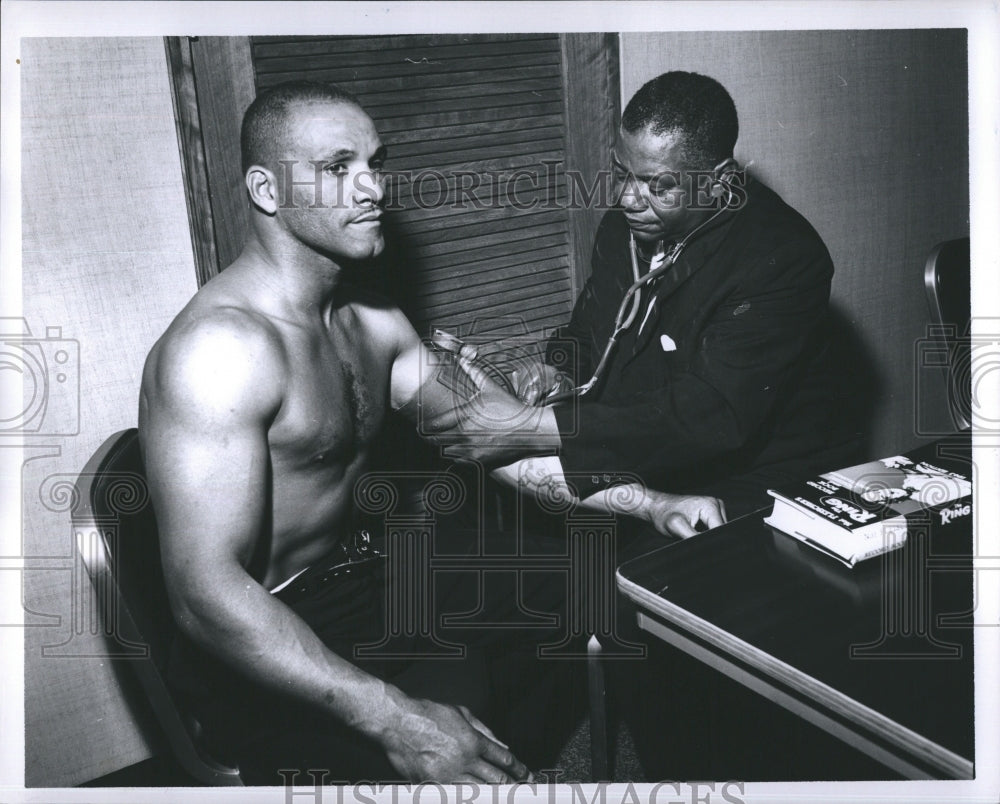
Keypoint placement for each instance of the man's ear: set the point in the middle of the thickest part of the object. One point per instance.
(263, 188)
(723, 177)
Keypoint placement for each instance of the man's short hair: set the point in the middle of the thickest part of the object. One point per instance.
(696, 107)
(264, 120)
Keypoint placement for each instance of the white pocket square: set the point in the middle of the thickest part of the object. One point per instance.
(668, 343)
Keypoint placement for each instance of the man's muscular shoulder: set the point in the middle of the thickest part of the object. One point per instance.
(383, 321)
(216, 360)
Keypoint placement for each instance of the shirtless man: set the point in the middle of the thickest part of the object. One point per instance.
(257, 411)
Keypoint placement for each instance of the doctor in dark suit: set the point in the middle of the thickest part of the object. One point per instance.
(723, 383)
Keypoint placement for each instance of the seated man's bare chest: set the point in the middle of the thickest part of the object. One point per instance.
(334, 402)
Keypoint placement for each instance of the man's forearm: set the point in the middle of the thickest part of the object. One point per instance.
(498, 428)
(543, 478)
(265, 641)
(670, 514)
(423, 740)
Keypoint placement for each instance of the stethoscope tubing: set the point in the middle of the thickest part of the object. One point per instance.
(623, 321)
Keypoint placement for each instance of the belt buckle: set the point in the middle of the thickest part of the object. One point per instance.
(361, 547)
(357, 551)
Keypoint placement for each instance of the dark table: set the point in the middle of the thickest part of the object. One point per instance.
(879, 655)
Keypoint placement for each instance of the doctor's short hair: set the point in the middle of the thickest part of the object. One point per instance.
(264, 120)
(690, 104)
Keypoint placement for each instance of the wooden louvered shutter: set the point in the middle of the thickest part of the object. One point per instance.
(464, 116)
(455, 104)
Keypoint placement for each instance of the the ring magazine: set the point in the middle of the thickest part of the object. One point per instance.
(865, 510)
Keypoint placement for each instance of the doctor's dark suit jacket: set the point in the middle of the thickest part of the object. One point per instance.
(730, 386)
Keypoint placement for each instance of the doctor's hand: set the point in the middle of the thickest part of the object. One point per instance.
(536, 381)
(490, 425)
(684, 515)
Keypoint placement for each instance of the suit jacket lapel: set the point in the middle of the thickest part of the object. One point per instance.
(692, 259)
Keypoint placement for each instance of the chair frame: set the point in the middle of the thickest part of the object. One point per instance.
(92, 534)
(952, 333)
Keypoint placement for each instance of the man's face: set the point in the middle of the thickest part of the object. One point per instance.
(654, 189)
(329, 176)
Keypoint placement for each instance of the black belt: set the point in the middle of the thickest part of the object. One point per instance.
(356, 557)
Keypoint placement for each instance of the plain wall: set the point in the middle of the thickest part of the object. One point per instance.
(107, 258)
(866, 134)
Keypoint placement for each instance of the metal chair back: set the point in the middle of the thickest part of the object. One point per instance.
(116, 535)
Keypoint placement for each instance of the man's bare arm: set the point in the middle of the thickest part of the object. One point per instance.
(671, 514)
(485, 420)
(477, 417)
(207, 401)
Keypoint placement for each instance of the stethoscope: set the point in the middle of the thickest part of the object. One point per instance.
(628, 310)
(623, 319)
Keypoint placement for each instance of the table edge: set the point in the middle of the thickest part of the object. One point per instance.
(837, 702)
